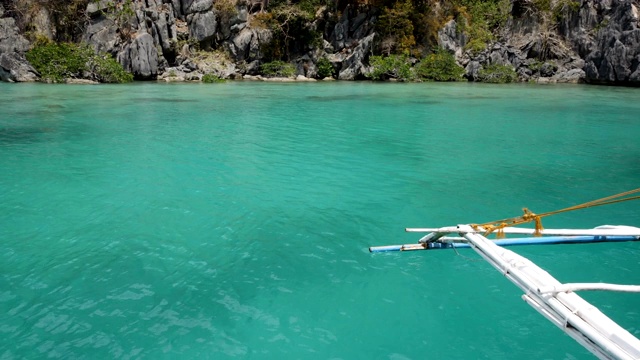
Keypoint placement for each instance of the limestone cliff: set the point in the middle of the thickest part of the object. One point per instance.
(595, 41)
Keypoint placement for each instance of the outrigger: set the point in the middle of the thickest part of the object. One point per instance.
(556, 301)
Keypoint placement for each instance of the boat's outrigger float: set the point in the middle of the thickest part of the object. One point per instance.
(556, 301)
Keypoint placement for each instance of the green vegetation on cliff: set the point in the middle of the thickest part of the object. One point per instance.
(439, 66)
(497, 74)
(478, 19)
(59, 61)
(292, 29)
(68, 18)
(411, 26)
(277, 69)
(391, 67)
(211, 79)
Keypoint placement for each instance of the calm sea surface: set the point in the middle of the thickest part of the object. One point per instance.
(188, 221)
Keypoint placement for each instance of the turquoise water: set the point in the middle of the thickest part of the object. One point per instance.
(233, 220)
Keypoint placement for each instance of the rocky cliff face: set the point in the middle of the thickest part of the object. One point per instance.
(13, 66)
(614, 53)
(595, 41)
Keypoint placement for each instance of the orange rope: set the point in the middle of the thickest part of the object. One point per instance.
(529, 216)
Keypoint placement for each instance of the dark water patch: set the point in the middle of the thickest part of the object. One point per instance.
(423, 102)
(36, 114)
(30, 98)
(475, 97)
(350, 97)
(22, 135)
(164, 100)
(55, 106)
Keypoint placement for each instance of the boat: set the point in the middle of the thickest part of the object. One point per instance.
(556, 301)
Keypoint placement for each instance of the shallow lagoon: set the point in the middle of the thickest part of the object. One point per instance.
(233, 220)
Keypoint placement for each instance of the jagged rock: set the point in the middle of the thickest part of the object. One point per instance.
(245, 46)
(202, 26)
(635, 77)
(242, 16)
(239, 45)
(229, 25)
(14, 68)
(548, 69)
(599, 41)
(1, 10)
(196, 6)
(42, 23)
(101, 34)
(305, 66)
(177, 74)
(162, 27)
(326, 46)
(140, 57)
(96, 8)
(357, 22)
(251, 68)
(353, 66)
(10, 39)
(451, 39)
(524, 73)
(472, 70)
(222, 69)
(339, 35)
(237, 28)
(360, 29)
(571, 76)
(615, 57)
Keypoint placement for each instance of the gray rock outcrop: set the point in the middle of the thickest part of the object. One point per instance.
(202, 25)
(353, 66)
(584, 40)
(102, 34)
(246, 45)
(616, 55)
(452, 40)
(140, 57)
(597, 42)
(13, 65)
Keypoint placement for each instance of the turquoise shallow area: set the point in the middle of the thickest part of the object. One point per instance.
(233, 220)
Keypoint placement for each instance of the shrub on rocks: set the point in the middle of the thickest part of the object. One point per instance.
(211, 79)
(277, 69)
(497, 74)
(57, 62)
(325, 69)
(391, 67)
(439, 66)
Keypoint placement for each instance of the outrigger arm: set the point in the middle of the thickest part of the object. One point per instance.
(575, 316)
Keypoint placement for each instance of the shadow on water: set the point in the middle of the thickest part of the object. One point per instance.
(358, 97)
(42, 133)
(423, 102)
(23, 134)
(163, 100)
(350, 97)
(39, 114)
